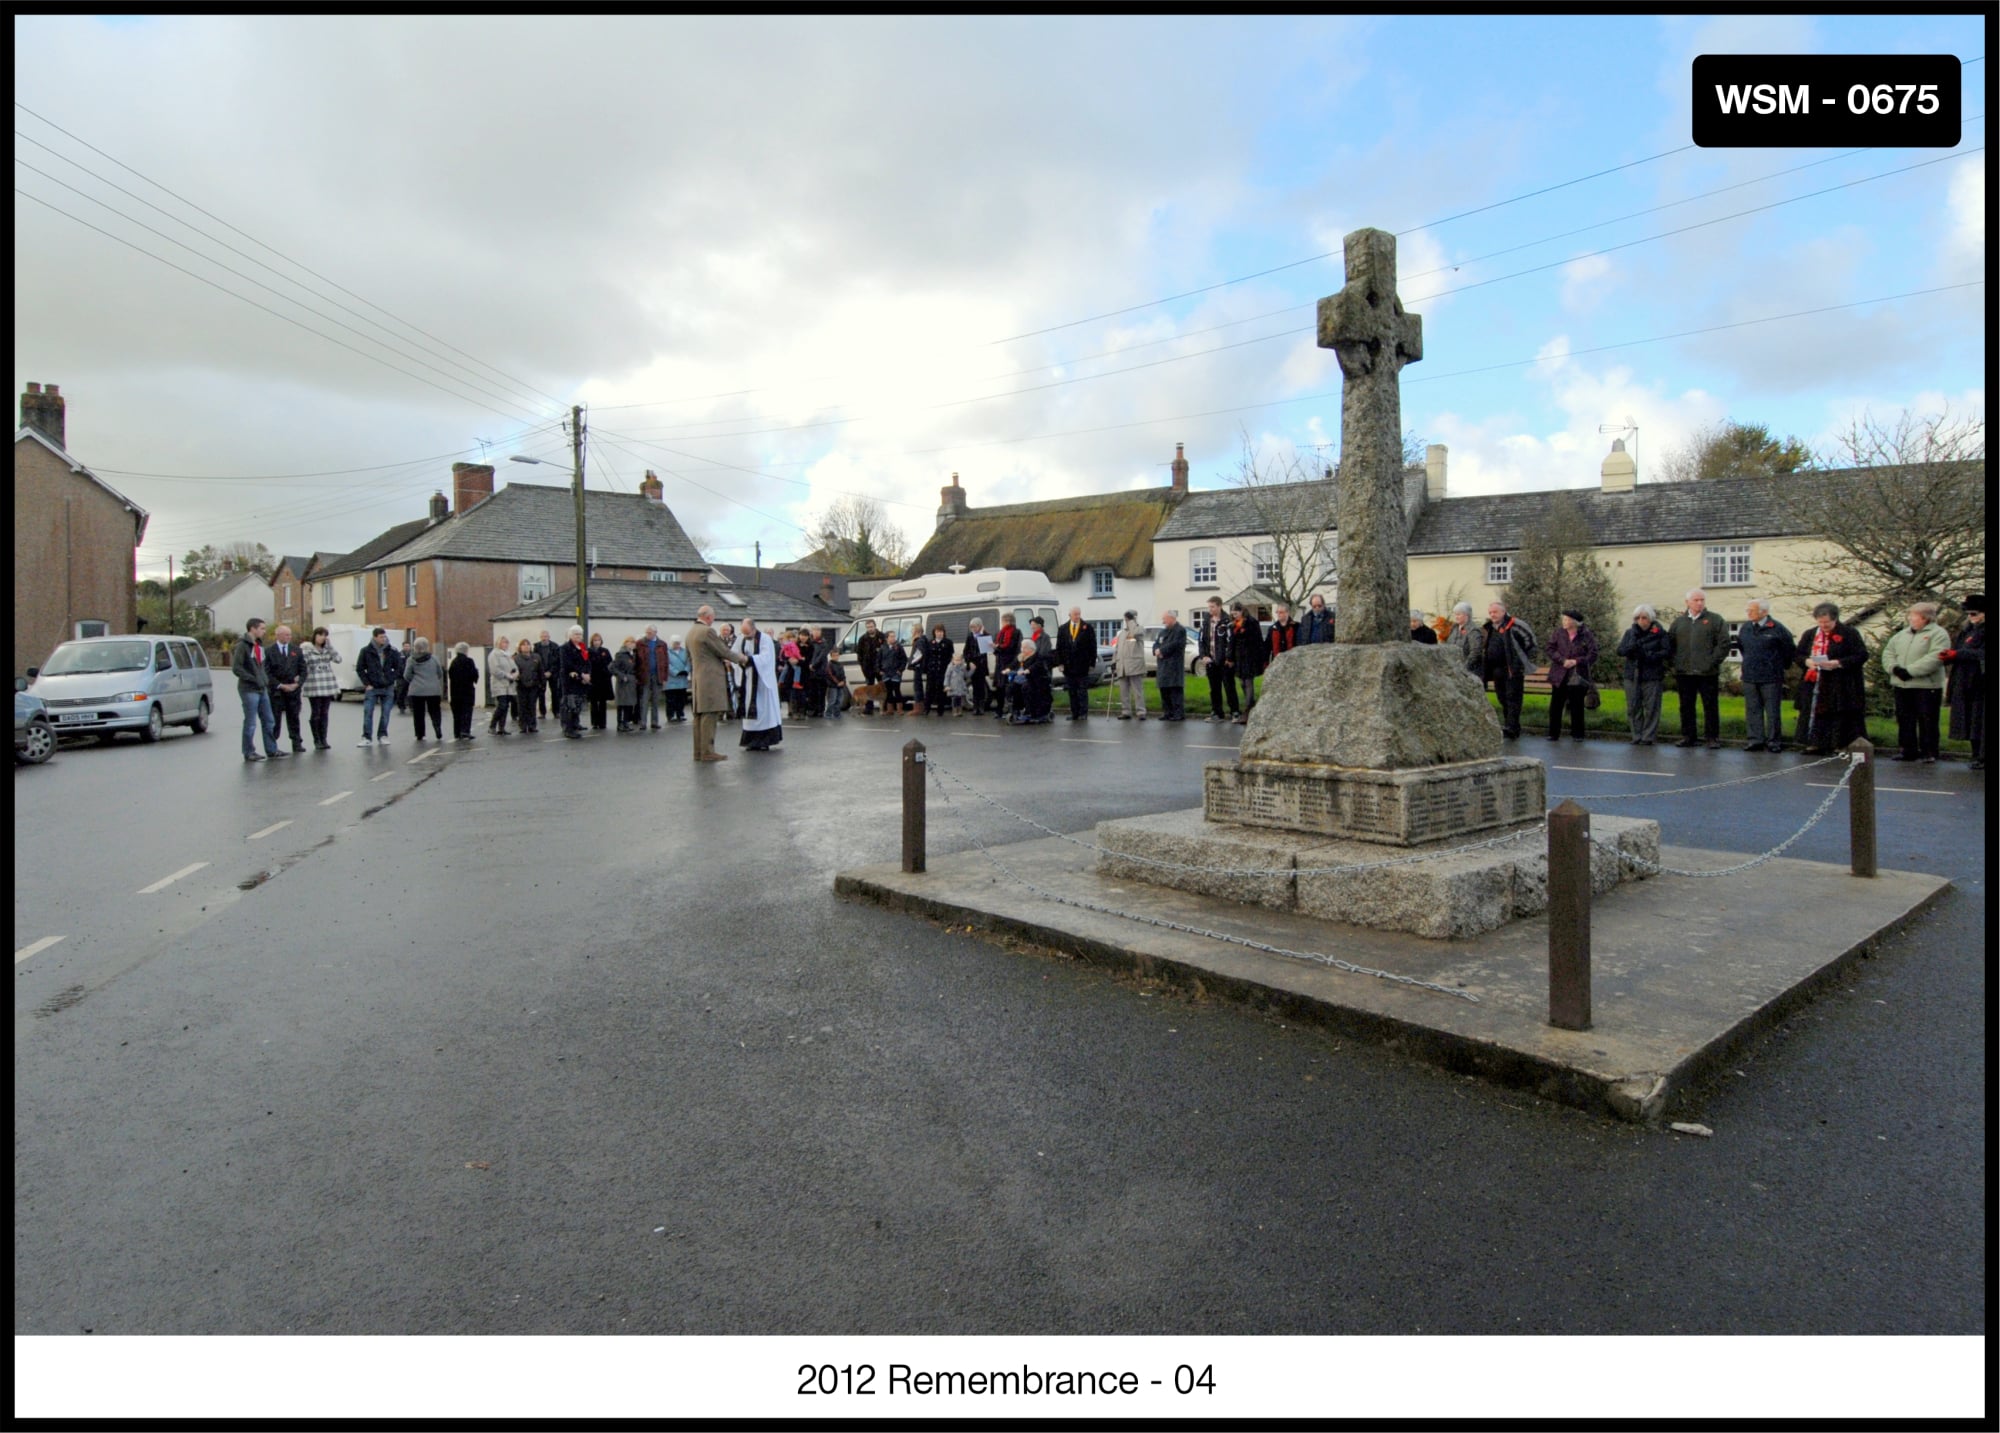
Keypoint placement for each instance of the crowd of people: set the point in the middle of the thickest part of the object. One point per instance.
(734, 671)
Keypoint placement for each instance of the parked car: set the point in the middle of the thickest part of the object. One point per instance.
(105, 685)
(34, 733)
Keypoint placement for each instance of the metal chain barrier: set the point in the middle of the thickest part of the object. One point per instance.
(1653, 869)
(1418, 858)
(1313, 956)
(1710, 786)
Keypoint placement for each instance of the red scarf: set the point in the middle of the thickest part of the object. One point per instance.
(1821, 641)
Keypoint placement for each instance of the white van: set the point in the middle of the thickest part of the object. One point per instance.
(953, 598)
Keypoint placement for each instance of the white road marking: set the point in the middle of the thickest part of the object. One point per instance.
(1906, 790)
(1618, 771)
(161, 885)
(425, 755)
(338, 796)
(36, 949)
(383, 777)
(1093, 740)
(260, 835)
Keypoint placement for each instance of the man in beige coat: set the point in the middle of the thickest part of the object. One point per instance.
(709, 658)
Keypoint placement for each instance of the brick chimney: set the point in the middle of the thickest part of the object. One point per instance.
(440, 507)
(651, 489)
(1180, 468)
(1619, 472)
(951, 502)
(42, 410)
(471, 485)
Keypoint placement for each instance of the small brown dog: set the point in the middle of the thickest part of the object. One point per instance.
(870, 694)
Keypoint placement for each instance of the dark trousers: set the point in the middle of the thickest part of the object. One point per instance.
(597, 705)
(461, 715)
(677, 703)
(502, 706)
(1078, 686)
(977, 677)
(285, 708)
(1171, 698)
(935, 698)
(1221, 683)
(537, 704)
(1509, 687)
(320, 707)
(1566, 698)
(530, 699)
(1917, 711)
(433, 707)
(1975, 725)
(1763, 713)
(570, 709)
(1823, 732)
(1687, 688)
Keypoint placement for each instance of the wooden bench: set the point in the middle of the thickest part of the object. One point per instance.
(1537, 681)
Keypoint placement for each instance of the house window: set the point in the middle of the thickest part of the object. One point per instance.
(1725, 564)
(382, 588)
(326, 597)
(1107, 632)
(1499, 570)
(1329, 567)
(1201, 567)
(287, 590)
(1100, 581)
(535, 581)
(410, 585)
(1264, 562)
(664, 576)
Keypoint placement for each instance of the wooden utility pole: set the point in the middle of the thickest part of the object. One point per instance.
(1861, 807)
(1569, 917)
(582, 550)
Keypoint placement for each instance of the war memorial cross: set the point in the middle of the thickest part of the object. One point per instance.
(1365, 326)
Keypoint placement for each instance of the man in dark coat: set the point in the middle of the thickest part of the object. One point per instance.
(248, 663)
(1006, 656)
(865, 649)
(1215, 653)
(550, 697)
(287, 668)
(1170, 660)
(1833, 694)
(651, 659)
(599, 686)
(975, 666)
(574, 664)
(1768, 649)
(1076, 654)
(1506, 649)
(1697, 643)
(1317, 625)
(1966, 690)
(528, 683)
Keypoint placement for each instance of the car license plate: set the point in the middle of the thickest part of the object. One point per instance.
(67, 717)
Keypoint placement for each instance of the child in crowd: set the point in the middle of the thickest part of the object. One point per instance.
(957, 685)
(836, 687)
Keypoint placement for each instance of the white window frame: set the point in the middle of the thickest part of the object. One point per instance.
(382, 588)
(658, 575)
(1727, 564)
(360, 590)
(1107, 632)
(1265, 564)
(536, 582)
(1500, 569)
(1101, 580)
(410, 585)
(326, 597)
(1202, 567)
(287, 602)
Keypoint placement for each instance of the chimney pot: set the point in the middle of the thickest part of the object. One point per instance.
(440, 507)
(1180, 468)
(34, 388)
(951, 502)
(42, 410)
(1434, 467)
(651, 489)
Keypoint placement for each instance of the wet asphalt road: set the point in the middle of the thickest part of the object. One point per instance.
(544, 1037)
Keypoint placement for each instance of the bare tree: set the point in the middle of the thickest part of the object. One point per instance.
(1556, 571)
(1292, 555)
(1728, 449)
(1905, 521)
(855, 537)
(209, 561)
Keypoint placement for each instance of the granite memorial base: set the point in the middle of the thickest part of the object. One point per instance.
(1445, 897)
(1408, 807)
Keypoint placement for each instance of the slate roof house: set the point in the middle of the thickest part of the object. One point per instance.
(340, 584)
(291, 591)
(76, 539)
(491, 552)
(228, 602)
(1097, 551)
(621, 608)
(807, 584)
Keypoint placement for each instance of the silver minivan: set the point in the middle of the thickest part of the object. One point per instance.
(105, 685)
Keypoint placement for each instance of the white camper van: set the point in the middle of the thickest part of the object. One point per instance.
(954, 598)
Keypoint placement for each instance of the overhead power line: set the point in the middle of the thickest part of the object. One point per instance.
(270, 248)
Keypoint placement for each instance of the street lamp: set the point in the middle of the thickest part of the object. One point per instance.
(582, 567)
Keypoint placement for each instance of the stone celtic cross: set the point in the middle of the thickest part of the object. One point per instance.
(1365, 326)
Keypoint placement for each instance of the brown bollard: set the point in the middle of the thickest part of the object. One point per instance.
(1569, 917)
(1861, 806)
(913, 805)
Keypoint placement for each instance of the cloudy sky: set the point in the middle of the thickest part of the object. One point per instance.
(782, 260)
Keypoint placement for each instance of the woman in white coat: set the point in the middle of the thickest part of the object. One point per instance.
(1128, 665)
(763, 714)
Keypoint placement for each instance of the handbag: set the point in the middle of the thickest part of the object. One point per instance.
(1591, 700)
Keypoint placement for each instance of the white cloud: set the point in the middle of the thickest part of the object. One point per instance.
(1583, 283)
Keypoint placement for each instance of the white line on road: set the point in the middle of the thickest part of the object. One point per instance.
(275, 826)
(383, 777)
(1618, 771)
(36, 949)
(1093, 740)
(425, 755)
(161, 885)
(1906, 790)
(337, 796)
